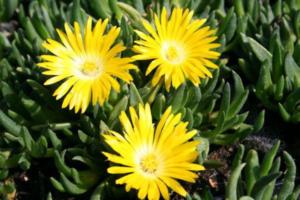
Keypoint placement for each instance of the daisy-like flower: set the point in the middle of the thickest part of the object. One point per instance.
(87, 64)
(151, 159)
(179, 47)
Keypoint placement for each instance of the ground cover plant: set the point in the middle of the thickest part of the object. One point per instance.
(139, 99)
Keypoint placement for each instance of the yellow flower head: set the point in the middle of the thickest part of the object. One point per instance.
(88, 64)
(151, 159)
(179, 47)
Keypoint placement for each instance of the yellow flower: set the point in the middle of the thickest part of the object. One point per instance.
(88, 64)
(179, 47)
(151, 159)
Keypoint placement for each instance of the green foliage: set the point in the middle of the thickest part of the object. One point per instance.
(260, 42)
(215, 108)
(7, 9)
(268, 33)
(252, 178)
(270, 57)
(258, 180)
(7, 190)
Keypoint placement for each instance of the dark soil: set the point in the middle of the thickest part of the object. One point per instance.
(35, 183)
(9, 27)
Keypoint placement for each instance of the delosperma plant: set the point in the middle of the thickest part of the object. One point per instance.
(127, 99)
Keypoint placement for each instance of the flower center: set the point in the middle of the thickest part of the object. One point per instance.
(173, 53)
(90, 68)
(149, 163)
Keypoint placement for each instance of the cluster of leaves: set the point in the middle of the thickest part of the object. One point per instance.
(260, 179)
(268, 34)
(33, 127)
(251, 179)
(262, 39)
(7, 9)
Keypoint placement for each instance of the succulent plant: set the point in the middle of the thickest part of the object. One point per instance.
(268, 35)
(277, 86)
(260, 179)
(34, 128)
(254, 178)
(7, 9)
(267, 32)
